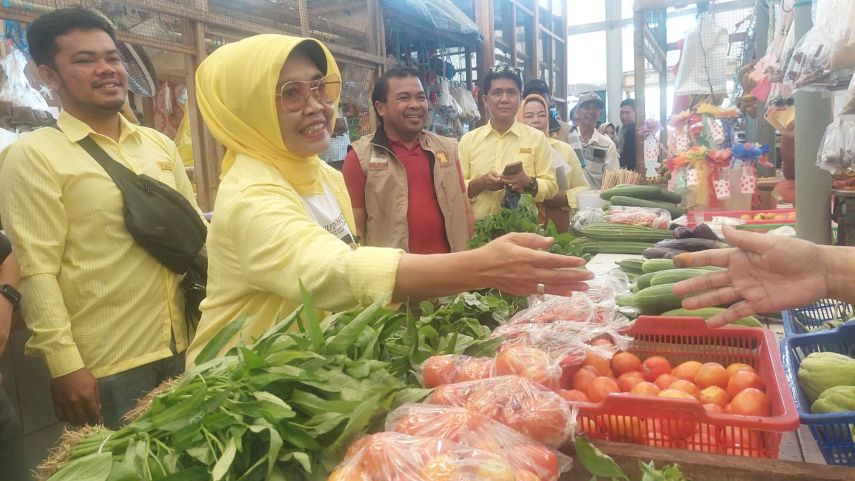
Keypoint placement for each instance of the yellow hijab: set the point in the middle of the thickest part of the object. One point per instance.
(533, 98)
(236, 92)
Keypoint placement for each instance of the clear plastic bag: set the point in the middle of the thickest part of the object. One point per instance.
(703, 63)
(516, 402)
(474, 430)
(453, 368)
(843, 36)
(584, 217)
(825, 55)
(20, 103)
(548, 308)
(649, 217)
(400, 457)
(837, 148)
(849, 104)
(555, 337)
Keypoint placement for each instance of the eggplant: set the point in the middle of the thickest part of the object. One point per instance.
(701, 231)
(656, 252)
(691, 244)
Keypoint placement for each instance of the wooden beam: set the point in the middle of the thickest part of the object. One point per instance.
(148, 111)
(205, 161)
(341, 7)
(509, 29)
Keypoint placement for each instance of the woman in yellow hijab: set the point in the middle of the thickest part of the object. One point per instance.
(534, 112)
(283, 216)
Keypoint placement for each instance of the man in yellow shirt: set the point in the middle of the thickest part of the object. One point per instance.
(485, 152)
(105, 316)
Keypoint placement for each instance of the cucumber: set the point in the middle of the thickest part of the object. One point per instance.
(655, 265)
(631, 265)
(708, 312)
(655, 300)
(675, 210)
(643, 281)
(691, 244)
(648, 192)
(673, 276)
(614, 247)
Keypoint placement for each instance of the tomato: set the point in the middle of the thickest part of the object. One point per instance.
(582, 379)
(711, 374)
(348, 472)
(528, 362)
(624, 362)
(665, 380)
(751, 402)
(589, 427)
(655, 366)
(573, 395)
(687, 387)
(440, 468)
(439, 370)
(714, 395)
(645, 389)
(704, 442)
(534, 458)
(447, 395)
(687, 370)
(601, 387)
(629, 380)
(475, 368)
(543, 418)
(738, 366)
(742, 380)
(627, 429)
(601, 364)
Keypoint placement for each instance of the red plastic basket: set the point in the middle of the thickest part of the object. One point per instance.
(683, 423)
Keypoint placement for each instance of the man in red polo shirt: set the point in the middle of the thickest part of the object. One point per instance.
(405, 183)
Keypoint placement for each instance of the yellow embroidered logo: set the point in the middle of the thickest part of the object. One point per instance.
(441, 157)
(525, 150)
(164, 165)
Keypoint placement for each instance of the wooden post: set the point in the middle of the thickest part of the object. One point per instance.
(468, 59)
(534, 51)
(148, 111)
(640, 81)
(509, 29)
(205, 159)
(483, 10)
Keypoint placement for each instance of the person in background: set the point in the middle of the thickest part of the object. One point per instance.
(534, 113)
(762, 277)
(607, 129)
(540, 87)
(626, 134)
(283, 217)
(11, 438)
(404, 182)
(106, 317)
(598, 151)
(573, 137)
(486, 151)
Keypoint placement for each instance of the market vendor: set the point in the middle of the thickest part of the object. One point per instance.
(534, 113)
(284, 217)
(598, 151)
(490, 155)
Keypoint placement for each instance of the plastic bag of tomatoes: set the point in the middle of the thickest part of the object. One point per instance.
(547, 308)
(557, 336)
(529, 460)
(452, 368)
(517, 402)
(401, 457)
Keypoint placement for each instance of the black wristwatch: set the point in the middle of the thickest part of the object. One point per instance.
(11, 294)
(531, 188)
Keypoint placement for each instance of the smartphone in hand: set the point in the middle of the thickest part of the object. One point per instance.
(513, 169)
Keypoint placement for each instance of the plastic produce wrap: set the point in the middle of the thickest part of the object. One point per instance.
(554, 337)
(585, 216)
(516, 402)
(842, 35)
(825, 55)
(528, 459)
(20, 103)
(548, 308)
(468, 105)
(400, 457)
(849, 104)
(781, 47)
(837, 148)
(452, 368)
(649, 217)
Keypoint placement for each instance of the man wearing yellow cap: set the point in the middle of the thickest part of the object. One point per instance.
(105, 316)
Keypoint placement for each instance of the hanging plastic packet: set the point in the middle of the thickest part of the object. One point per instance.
(400, 457)
(20, 104)
(586, 216)
(837, 149)
(529, 460)
(516, 402)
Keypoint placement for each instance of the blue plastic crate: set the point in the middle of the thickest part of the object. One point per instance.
(812, 318)
(833, 432)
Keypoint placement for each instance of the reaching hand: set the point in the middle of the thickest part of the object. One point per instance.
(513, 263)
(75, 398)
(765, 273)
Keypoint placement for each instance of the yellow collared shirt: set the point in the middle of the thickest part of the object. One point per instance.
(92, 297)
(484, 149)
(263, 242)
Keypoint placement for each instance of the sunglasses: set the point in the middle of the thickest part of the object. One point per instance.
(504, 68)
(293, 95)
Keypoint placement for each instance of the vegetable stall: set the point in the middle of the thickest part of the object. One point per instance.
(618, 382)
